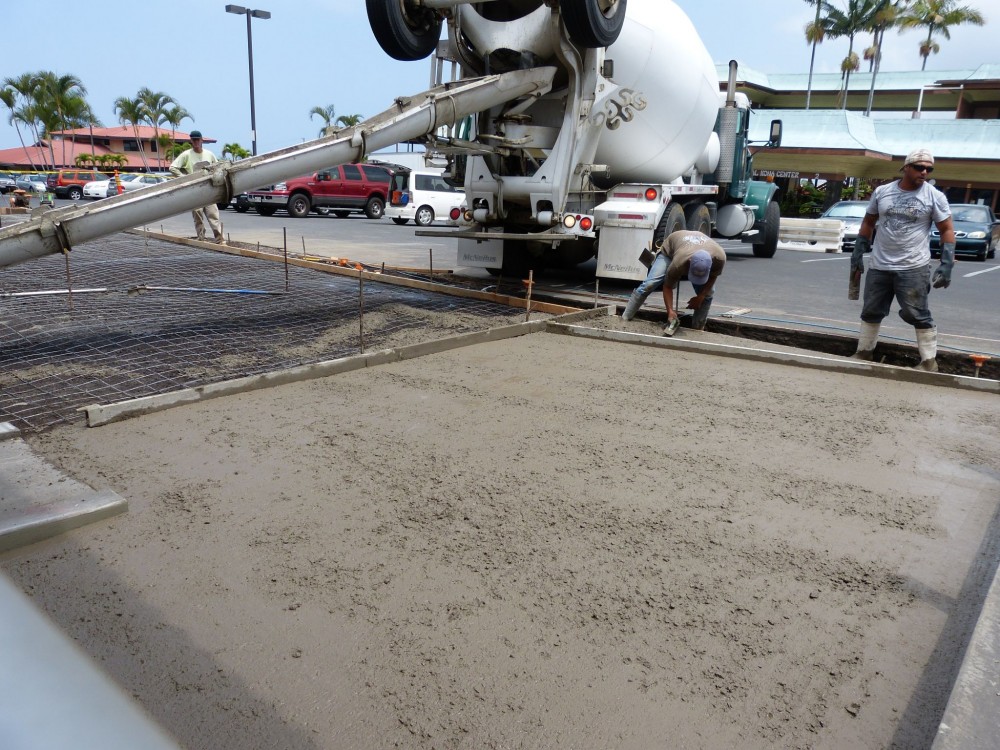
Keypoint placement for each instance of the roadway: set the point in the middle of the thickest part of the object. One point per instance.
(795, 288)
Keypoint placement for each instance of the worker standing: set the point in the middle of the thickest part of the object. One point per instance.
(903, 212)
(194, 158)
(683, 253)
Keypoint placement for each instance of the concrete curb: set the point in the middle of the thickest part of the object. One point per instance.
(40, 522)
(8, 431)
(971, 719)
(832, 364)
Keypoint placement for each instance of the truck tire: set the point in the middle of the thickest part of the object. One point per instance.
(399, 220)
(265, 210)
(74, 193)
(590, 26)
(341, 214)
(299, 206)
(424, 216)
(697, 218)
(374, 208)
(404, 31)
(672, 221)
(772, 222)
(322, 210)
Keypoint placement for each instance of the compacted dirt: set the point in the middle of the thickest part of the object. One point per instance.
(542, 542)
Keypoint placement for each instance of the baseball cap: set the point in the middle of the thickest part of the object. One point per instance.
(700, 267)
(195, 134)
(919, 155)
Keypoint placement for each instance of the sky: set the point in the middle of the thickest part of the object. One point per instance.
(320, 52)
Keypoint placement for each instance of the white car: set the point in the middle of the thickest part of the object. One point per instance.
(423, 196)
(99, 188)
(143, 180)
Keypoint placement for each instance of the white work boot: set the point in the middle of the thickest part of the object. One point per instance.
(866, 341)
(927, 346)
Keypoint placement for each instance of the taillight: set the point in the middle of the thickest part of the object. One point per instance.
(652, 194)
(586, 223)
(455, 214)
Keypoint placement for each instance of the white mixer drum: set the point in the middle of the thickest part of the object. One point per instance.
(660, 56)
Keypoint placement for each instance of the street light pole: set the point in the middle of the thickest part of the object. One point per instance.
(264, 15)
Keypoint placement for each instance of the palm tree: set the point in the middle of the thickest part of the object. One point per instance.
(938, 16)
(854, 19)
(349, 121)
(815, 32)
(156, 105)
(63, 94)
(24, 88)
(131, 112)
(9, 97)
(235, 150)
(174, 117)
(887, 16)
(326, 114)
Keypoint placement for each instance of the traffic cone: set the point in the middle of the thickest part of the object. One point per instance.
(118, 184)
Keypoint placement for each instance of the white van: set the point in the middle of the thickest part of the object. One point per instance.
(422, 195)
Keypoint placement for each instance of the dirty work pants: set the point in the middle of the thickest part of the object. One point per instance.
(910, 288)
(654, 281)
(208, 215)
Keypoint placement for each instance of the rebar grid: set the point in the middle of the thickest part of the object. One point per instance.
(125, 343)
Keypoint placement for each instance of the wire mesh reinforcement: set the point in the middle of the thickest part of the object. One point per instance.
(126, 342)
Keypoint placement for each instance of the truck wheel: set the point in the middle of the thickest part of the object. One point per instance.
(322, 210)
(398, 220)
(403, 30)
(265, 210)
(299, 206)
(772, 221)
(424, 216)
(341, 214)
(697, 218)
(593, 23)
(374, 208)
(74, 193)
(672, 221)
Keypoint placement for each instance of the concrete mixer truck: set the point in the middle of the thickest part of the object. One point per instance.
(575, 127)
(632, 142)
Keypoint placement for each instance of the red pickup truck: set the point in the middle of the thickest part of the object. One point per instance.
(342, 189)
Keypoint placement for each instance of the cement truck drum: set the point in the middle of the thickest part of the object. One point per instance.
(404, 30)
(593, 23)
(659, 55)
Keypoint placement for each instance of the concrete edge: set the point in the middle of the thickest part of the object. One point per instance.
(971, 720)
(8, 431)
(832, 364)
(44, 521)
(102, 414)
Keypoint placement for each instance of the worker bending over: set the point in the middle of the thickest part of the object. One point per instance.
(684, 253)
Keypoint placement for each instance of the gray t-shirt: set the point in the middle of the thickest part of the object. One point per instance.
(902, 236)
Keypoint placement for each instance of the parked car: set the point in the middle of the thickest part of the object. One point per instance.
(141, 181)
(977, 231)
(7, 182)
(343, 189)
(31, 183)
(99, 188)
(422, 195)
(240, 203)
(68, 183)
(851, 213)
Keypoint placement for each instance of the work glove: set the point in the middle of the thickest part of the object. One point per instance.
(942, 275)
(861, 246)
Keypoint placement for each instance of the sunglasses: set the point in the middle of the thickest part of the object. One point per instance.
(922, 168)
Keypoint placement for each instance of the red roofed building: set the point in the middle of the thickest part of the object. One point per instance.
(101, 141)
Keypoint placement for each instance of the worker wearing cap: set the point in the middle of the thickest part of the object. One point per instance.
(684, 253)
(194, 158)
(903, 212)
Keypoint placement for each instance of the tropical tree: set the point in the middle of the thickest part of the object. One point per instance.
(938, 16)
(63, 97)
(349, 121)
(83, 160)
(131, 112)
(173, 117)
(815, 33)
(234, 150)
(24, 88)
(326, 114)
(156, 105)
(887, 16)
(854, 19)
(9, 97)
